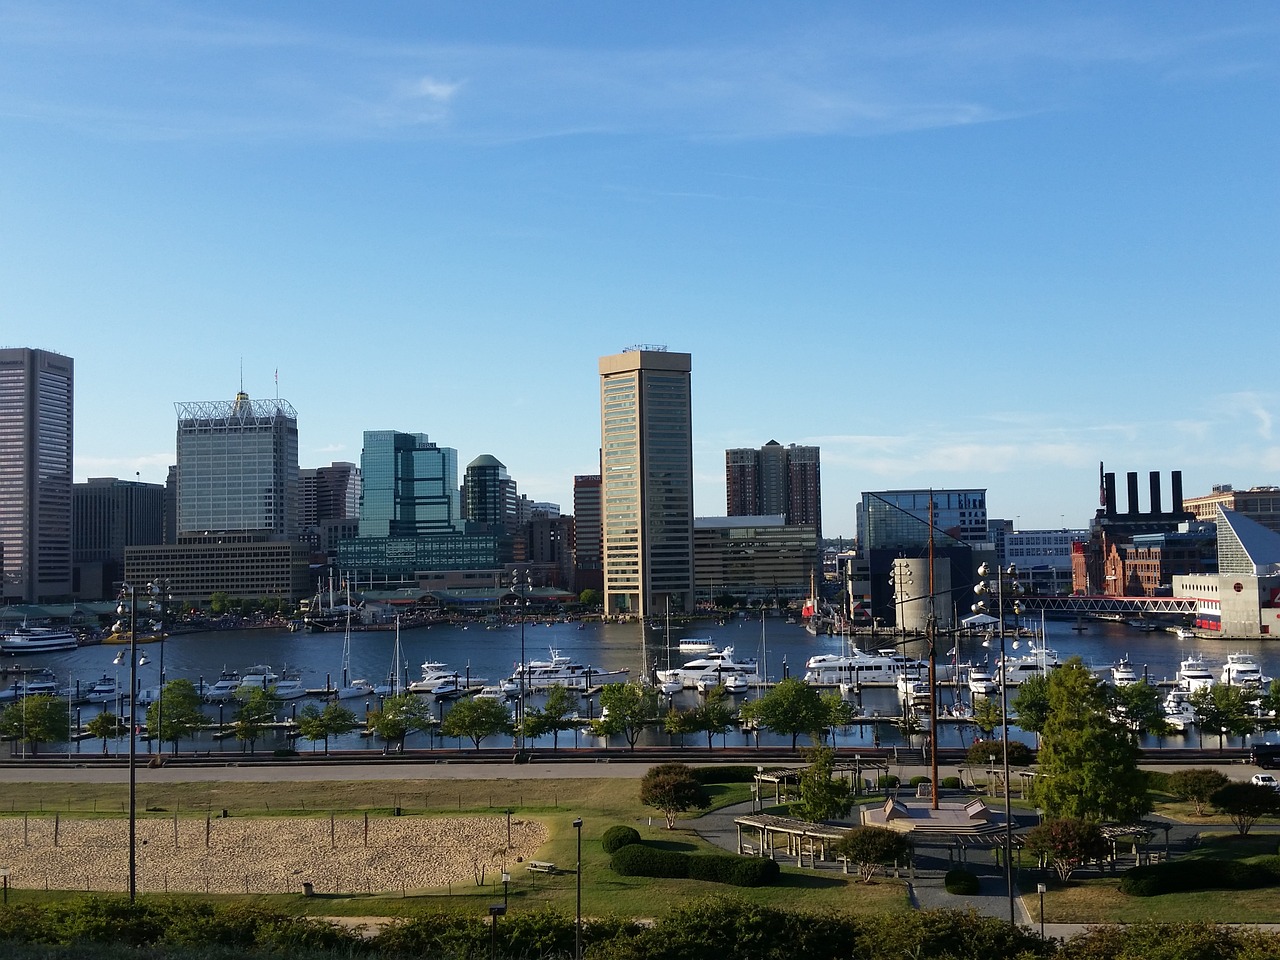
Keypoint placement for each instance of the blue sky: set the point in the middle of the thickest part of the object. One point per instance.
(954, 245)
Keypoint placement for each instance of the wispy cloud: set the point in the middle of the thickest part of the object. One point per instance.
(198, 72)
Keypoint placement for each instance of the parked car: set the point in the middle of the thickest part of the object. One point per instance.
(1265, 780)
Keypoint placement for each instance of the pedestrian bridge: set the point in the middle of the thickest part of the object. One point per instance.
(1124, 606)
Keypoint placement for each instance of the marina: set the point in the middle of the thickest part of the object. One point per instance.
(216, 663)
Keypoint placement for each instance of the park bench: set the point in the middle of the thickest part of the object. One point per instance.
(541, 866)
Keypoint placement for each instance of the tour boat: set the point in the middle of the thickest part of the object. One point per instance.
(24, 639)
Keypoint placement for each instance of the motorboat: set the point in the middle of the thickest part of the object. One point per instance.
(36, 682)
(914, 694)
(224, 688)
(560, 670)
(1242, 670)
(1178, 711)
(286, 685)
(1123, 674)
(102, 690)
(718, 662)
(857, 666)
(24, 639)
(692, 645)
(981, 682)
(437, 680)
(735, 683)
(1194, 674)
(1037, 662)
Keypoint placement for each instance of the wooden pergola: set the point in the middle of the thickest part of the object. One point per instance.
(803, 839)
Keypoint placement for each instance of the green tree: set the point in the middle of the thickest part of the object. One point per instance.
(672, 788)
(316, 723)
(1246, 803)
(39, 718)
(256, 713)
(1068, 843)
(714, 716)
(1196, 785)
(219, 603)
(176, 714)
(1138, 706)
(1031, 703)
(792, 707)
(840, 712)
(871, 848)
(626, 708)
(1224, 710)
(555, 716)
(1088, 761)
(986, 714)
(679, 723)
(590, 598)
(823, 796)
(477, 719)
(400, 716)
(106, 726)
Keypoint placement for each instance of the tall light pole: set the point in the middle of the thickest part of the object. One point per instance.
(127, 591)
(520, 584)
(577, 928)
(983, 590)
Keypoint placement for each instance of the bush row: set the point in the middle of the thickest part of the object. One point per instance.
(732, 773)
(961, 882)
(1181, 876)
(638, 860)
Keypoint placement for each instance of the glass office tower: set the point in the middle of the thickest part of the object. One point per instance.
(410, 486)
(36, 404)
(237, 470)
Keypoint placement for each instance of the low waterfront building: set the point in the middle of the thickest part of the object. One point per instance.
(1241, 600)
(196, 571)
(753, 558)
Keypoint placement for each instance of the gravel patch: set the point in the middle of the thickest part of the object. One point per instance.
(347, 854)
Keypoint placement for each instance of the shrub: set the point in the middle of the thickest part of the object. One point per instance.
(737, 871)
(1270, 865)
(961, 882)
(1181, 876)
(981, 752)
(617, 837)
(888, 781)
(951, 783)
(638, 860)
(916, 781)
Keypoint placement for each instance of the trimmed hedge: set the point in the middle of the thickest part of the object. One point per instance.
(617, 837)
(888, 781)
(916, 781)
(638, 860)
(961, 882)
(724, 774)
(1182, 876)
(951, 783)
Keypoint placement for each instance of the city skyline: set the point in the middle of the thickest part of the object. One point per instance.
(951, 247)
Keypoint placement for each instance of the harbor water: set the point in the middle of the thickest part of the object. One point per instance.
(482, 653)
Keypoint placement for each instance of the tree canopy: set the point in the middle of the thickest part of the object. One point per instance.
(476, 719)
(626, 708)
(400, 716)
(256, 712)
(1224, 710)
(557, 714)
(317, 723)
(791, 708)
(673, 789)
(1088, 761)
(176, 714)
(871, 848)
(822, 795)
(39, 718)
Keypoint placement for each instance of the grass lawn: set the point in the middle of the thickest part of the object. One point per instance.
(601, 803)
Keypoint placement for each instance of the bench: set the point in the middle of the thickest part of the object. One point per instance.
(541, 866)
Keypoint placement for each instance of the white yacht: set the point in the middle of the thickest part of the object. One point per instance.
(33, 684)
(1194, 674)
(981, 682)
(1178, 711)
(857, 666)
(26, 639)
(286, 685)
(718, 662)
(439, 681)
(560, 671)
(1038, 661)
(1123, 674)
(103, 690)
(224, 688)
(1242, 670)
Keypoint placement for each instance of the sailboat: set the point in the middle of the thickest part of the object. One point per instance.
(395, 684)
(669, 686)
(347, 688)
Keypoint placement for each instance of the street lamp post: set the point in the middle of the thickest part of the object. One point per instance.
(577, 928)
(128, 591)
(520, 584)
(983, 590)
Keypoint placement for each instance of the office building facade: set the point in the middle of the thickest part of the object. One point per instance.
(110, 515)
(237, 471)
(753, 559)
(775, 481)
(36, 431)
(646, 434)
(588, 545)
